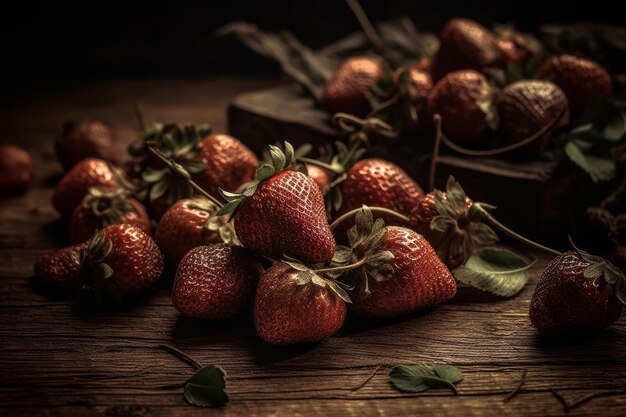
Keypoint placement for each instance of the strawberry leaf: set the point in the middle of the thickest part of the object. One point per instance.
(422, 377)
(599, 168)
(498, 271)
(207, 387)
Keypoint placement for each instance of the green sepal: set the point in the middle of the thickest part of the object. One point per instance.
(305, 275)
(95, 273)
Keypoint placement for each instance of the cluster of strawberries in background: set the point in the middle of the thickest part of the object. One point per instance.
(296, 240)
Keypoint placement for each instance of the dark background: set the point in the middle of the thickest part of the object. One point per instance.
(52, 41)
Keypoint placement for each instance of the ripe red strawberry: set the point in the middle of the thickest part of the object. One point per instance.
(120, 260)
(581, 79)
(294, 306)
(228, 163)
(74, 186)
(527, 106)
(283, 214)
(380, 183)
(101, 208)
(464, 99)
(349, 90)
(189, 223)
(465, 44)
(82, 140)
(452, 223)
(16, 170)
(216, 282)
(319, 175)
(577, 291)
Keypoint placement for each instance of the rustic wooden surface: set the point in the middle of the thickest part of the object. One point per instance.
(57, 361)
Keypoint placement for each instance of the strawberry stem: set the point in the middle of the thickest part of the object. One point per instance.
(435, 155)
(182, 172)
(380, 210)
(343, 268)
(320, 164)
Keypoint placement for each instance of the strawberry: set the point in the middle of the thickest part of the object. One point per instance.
(510, 52)
(82, 140)
(400, 271)
(376, 182)
(296, 306)
(120, 260)
(282, 213)
(228, 163)
(101, 208)
(581, 79)
(216, 282)
(577, 291)
(451, 223)
(424, 64)
(349, 90)
(76, 183)
(189, 223)
(464, 99)
(527, 106)
(16, 170)
(319, 175)
(465, 44)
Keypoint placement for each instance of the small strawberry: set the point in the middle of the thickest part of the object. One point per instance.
(76, 183)
(581, 79)
(376, 182)
(400, 271)
(282, 213)
(577, 291)
(451, 223)
(228, 163)
(189, 223)
(464, 99)
(120, 260)
(16, 170)
(319, 175)
(82, 140)
(297, 306)
(527, 106)
(465, 44)
(424, 64)
(349, 90)
(216, 282)
(101, 208)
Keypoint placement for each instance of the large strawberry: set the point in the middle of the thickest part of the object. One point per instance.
(350, 89)
(282, 213)
(528, 106)
(400, 271)
(216, 282)
(76, 183)
(16, 170)
(465, 44)
(297, 306)
(101, 208)
(465, 101)
(189, 223)
(581, 79)
(82, 140)
(120, 260)
(577, 291)
(380, 183)
(228, 163)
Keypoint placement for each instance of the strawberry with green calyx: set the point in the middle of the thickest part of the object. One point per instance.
(281, 212)
(190, 223)
(101, 208)
(295, 304)
(395, 270)
(577, 291)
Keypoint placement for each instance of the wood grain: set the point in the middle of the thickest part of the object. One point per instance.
(56, 360)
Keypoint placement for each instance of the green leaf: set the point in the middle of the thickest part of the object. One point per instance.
(264, 172)
(193, 166)
(158, 189)
(278, 158)
(600, 169)
(514, 72)
(207, 387)
(418, 378)
(152, 176)
(498, 271)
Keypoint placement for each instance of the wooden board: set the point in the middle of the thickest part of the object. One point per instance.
(55, 361)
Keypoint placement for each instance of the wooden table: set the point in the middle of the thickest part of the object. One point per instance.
(56, 361)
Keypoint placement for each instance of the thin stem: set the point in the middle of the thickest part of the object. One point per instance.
(180, 355)
(435, 155)
(367, 26)
(343, 268)
(380, 210)
(492, 220)
(178, 169)
(384, 105)
(517, 387)
(320, 164)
